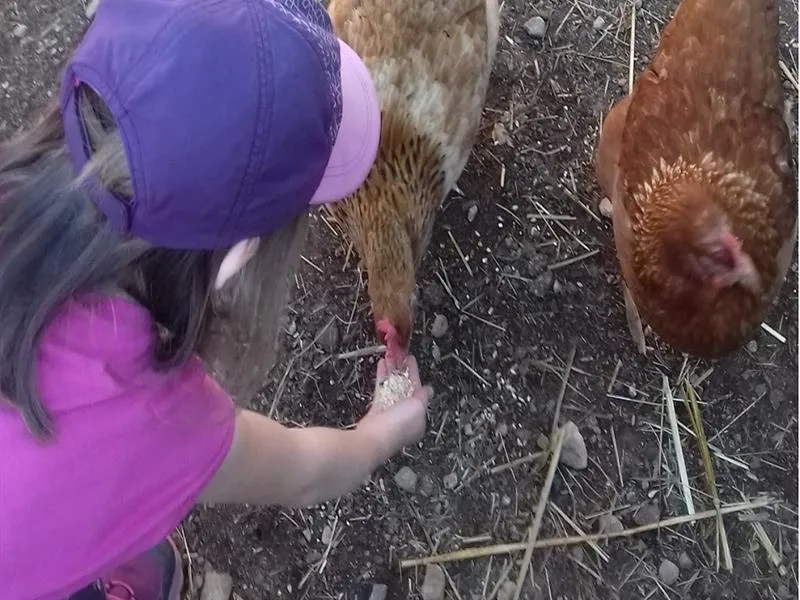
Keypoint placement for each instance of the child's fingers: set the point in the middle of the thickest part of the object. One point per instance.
(424, 395)
(413, 371)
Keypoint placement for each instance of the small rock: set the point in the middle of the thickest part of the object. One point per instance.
(329, 339)
(506, 591)
(427, 486)
(313, 556)
(573, 451)
(609, 524)
(784, 593)
(450, 481)
(406, 479)
(542, 284)
(646, 514)
(218, 586)
(378, 592)
(536, 27)
(542, 442)
(433, 293)
(776, 398)
(433, 584)
(668, 572)
(684, 561)
(472, 212)
(20, 30)
(599, 23)
(605, 207)
(500, 135)
(327, 535)
(197, 581)
(439, 326)
(752, 346)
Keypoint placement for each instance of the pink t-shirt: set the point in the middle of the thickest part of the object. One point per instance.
(132, 451)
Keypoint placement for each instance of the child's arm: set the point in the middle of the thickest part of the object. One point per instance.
(298, 467)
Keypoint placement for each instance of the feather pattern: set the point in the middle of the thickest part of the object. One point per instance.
(430, 62)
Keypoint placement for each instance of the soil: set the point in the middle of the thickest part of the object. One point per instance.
(498, 367)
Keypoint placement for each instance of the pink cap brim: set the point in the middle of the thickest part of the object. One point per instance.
(359, 132)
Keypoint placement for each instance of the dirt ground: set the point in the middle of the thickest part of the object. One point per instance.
(516, 309)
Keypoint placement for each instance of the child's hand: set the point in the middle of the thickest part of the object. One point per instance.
(403, 422)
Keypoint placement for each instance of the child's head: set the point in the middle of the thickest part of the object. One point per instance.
(189, 135)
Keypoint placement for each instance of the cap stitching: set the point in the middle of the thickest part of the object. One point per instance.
(261, 132)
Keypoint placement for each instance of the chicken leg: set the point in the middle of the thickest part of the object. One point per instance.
(608, 176)
(634, 322)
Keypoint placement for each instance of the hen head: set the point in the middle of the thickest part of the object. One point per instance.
(701, 246)
(394, 324)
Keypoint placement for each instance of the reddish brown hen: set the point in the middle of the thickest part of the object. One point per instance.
(430, 62)
(697, 164)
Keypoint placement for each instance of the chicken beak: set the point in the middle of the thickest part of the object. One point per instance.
(747, 275)
(744, 273)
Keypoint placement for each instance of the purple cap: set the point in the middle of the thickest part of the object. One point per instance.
(235, 115)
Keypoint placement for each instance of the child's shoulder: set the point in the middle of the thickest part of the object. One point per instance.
(94, 345)
(106, 322)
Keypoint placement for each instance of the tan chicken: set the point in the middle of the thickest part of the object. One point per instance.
(430, 61)
(697, 164)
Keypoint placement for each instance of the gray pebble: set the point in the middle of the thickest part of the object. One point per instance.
(668, 572)
(472, 212)
(197, 581)
(406, 479)
(599, 23)
(450, 481)
(433, 584)
(506, 591)
(378, 592)
(20, 30)
(684, 561)
(439, 326)
(776, 398)
(752, 346)
(609, 524)
(427, 486)
(542, 284)
(327, 535)
(573, 451)
(433, 293)
(606, 208)
(329, 340)
(648, 513)
(535, 27)
(217, 586)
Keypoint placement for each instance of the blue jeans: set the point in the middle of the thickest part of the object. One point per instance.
(151, 576)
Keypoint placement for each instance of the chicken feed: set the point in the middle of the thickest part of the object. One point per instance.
(396, 387)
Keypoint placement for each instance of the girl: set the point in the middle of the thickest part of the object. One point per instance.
(189, 138)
